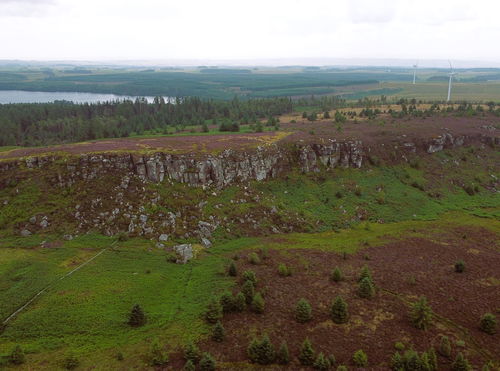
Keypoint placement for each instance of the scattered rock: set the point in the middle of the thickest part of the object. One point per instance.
(185, 252)
(33, 220)
(68, 237)
(206, 242)
(25, 233)
(163, 237)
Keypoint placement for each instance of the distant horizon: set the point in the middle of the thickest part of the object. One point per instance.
(262, 62)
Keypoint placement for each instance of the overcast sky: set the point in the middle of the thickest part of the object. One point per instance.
(257, 29)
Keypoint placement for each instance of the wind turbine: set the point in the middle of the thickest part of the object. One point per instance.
(451, 74)
(415, 72)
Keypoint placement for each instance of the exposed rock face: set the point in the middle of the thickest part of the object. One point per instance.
(227, 167)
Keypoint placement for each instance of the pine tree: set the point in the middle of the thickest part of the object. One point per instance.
(214, 311)
(366, 289)
(303, 311)
(460, 266)
(261, 352)
(283, 357)
(227, 302)
(412, 360)
(488, 323)
(136, 317)
(232, 270)
(445, 347)
(321, 362)
(397, 362)
(248, 290)
(461, 364)
(433, 362)
(365, 273)
(360, 358)
(158, 356)
(207, 362)
(192, 353)
(250, 276)
(421, 314)
(339, 311)
(189, 366)
(17, 355)
(306, 356)
(425, 362)
(218, 333)
(240, 302)
(258, 303)
(336, 275)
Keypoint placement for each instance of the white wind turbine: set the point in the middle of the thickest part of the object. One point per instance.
(415, 72)
(451, 74)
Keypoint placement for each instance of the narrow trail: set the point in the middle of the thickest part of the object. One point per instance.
(6, 321)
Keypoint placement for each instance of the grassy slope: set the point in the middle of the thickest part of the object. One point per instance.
(86, 312)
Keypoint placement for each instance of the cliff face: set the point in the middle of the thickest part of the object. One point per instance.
(232, 166)
(217, 170)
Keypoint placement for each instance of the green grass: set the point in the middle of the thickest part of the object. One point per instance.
(8, 148)
(86, 312)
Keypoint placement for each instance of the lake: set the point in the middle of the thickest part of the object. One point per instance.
(21, 96)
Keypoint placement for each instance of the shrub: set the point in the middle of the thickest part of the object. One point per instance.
(248, 290)
(192, 353)
(459, 266)
(258, 303)
(366, 289)
(119, 356)
(261, 352)
(306, 356)
(284, 271)
(283, 357)
(17, 355)
(240, 303)
(445, 347)
(421, 314)
(336, 275)
(360, 358)
(218, 332)
(461, 363)
(232, 271)
(227, 302)
(71, 362)
(303, 311)
(321, 362)
(214, 311)
(365, 273)
(250, 276)
(339, 311)
(342, 368)
(189, 366)
(488, 323)
(158, 356)
(136, 317)
(207, 363)
(253, 258)
(399, 346)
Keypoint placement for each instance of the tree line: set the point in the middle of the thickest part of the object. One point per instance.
(65, 122)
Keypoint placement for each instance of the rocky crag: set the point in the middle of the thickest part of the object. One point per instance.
(126, 204)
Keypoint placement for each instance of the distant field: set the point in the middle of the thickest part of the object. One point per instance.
(487, 91)
(225, 83)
